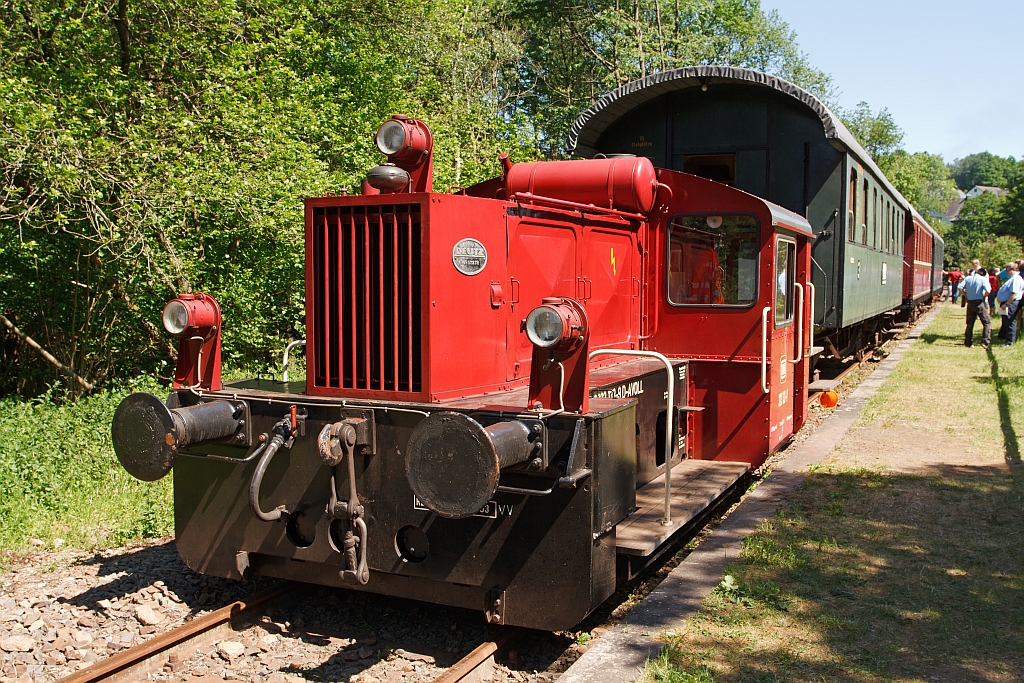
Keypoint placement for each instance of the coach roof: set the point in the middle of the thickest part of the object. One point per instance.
(592, 123)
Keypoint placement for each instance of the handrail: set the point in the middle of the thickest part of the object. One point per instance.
(813, 293)
(799, 326)
(287, 350)
(670, 408)
(577, 206)
(764, 348)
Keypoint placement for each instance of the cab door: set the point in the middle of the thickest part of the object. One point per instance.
(542, 262)
(782, 341)
(609, 287)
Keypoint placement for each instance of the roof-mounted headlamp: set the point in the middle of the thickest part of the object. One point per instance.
(406, 142)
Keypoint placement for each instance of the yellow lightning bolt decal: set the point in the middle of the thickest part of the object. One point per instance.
(613, 261)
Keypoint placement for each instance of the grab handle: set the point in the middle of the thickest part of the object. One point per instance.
(764, 348)
(799, 324)
(811, 295)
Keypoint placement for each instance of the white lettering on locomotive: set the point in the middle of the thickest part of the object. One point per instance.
(490, 511)
(628, 390)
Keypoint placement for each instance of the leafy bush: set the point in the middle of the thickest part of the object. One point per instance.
(60, 478)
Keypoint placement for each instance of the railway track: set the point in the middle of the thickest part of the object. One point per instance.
(856, 364)
(138, 660)
(479, 657)
(153, 655)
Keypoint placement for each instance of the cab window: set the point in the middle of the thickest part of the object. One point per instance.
(785, 258)
(712, 260)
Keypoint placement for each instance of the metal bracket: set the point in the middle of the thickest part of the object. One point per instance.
(495, 608)
(576, 468)
(242, 562)
(366, 429)
(539, 439)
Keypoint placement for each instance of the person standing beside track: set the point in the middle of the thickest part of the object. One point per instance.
(993, 281)
(1009, 301)
(976, 288)
(954, 282)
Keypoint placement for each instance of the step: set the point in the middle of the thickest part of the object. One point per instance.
(823, 385)
(696, 484)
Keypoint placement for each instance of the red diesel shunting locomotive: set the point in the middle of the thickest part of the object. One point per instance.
(515, 395)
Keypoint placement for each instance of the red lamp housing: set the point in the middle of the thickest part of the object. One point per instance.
(560, 334)
(196, 320)
(409, 146)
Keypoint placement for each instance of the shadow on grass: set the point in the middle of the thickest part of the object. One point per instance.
(1010, 444)
(865, 576)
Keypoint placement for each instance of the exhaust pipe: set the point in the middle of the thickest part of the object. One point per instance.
(453, 463)
(147, 434)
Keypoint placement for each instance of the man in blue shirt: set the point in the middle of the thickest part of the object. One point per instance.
(976, 288)
(1008, 297)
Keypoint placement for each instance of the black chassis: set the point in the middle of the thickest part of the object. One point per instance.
(538, 561)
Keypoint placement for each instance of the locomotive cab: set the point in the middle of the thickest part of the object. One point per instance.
(738, 306)
(516, 395)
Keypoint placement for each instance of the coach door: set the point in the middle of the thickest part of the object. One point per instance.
(779, 321)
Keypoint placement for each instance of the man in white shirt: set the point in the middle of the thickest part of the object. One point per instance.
(1008, 298)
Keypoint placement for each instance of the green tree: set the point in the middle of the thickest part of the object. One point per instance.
(877, 131)
(998, 251)
(152, 148)
(985, 168)
(923, 179)
(1013, 212)
(576, 51)
(981, 221)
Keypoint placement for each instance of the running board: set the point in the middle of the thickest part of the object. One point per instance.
(696, 486)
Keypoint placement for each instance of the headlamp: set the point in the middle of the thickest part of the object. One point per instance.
(545, 327)
(175, 317)
(557, 325)
(191, 311)
(391, 137)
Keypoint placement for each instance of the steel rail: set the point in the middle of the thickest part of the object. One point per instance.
(477, 657)
(116, 664)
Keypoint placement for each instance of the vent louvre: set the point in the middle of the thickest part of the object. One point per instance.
(366, 298)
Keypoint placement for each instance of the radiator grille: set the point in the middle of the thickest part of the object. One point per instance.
(366, 297)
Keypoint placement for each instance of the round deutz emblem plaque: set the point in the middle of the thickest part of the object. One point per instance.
(469, 256)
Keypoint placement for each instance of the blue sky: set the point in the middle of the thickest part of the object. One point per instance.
(950, 73)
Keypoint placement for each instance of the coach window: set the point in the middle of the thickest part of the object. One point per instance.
(895, 246)
(851, 217)
(891, 216)
(712, 260)
(884, 206)
(888, 227)
(864, 216)
(785, 259)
